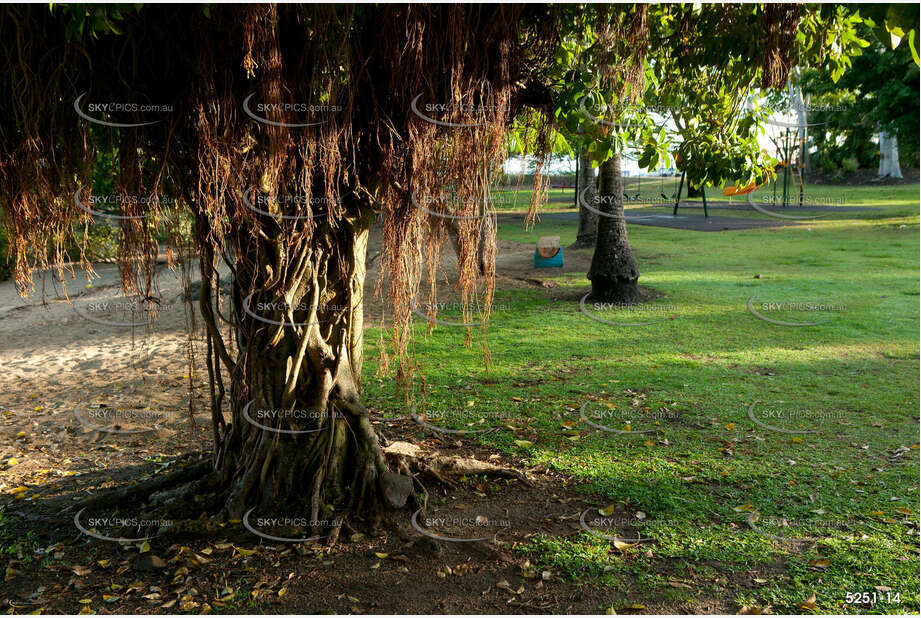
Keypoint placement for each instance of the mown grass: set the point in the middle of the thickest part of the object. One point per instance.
(690, 376)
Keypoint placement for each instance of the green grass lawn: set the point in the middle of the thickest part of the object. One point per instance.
(843, 476)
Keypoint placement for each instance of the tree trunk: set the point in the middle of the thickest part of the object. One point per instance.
(588, 220)
(889, 156)
(301, 440)
(613, 272)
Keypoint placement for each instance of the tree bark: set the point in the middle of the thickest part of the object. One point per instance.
(301, 440)
(588, 220)
(889, 156)
(613, 272)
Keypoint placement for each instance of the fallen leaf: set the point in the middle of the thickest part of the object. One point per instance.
(808, 603)
(820, 565)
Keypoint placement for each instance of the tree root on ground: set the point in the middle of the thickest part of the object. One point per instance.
(186, 477)
(410, 459)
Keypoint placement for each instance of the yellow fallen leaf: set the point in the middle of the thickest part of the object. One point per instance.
(608, 510)
(380, 555)
(796, 440)
(523, 443)
(731, 426)
(744, 508)
(11, 461)
(820, 564)
(903, 510)
(808, 603)
(283, 591)
(86, 610)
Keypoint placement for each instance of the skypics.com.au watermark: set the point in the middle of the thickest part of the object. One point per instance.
(108, 419)
(273, 419)
(320, 207)
(319, 114)
(92, 205)
(795, 530)
(123, 312)
(282, 308)
(460, 208)
(792, 420)
(629, 314)
(288, 529)
(436, 113)
(454, 528)
(621, 526)
(474, 421)
(797, 313)
(105, 528)
(457, 310)
(97, 111)
(622, 421)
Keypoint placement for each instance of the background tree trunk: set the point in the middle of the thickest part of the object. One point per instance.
(613, 272)
(586, 191)
(889, 156)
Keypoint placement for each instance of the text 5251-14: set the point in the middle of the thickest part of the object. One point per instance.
(871, 598)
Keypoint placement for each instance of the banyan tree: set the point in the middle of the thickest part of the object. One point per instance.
(286, 131)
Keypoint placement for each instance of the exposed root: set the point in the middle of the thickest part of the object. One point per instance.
(186, 477)
(410, 458)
